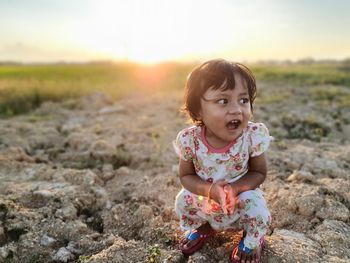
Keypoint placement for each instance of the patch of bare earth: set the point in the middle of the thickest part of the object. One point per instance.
(98, 184)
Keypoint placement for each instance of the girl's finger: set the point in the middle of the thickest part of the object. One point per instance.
(223, 201)
(230, 197)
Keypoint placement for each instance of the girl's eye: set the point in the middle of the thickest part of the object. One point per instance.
(244, 100)
(222, 101)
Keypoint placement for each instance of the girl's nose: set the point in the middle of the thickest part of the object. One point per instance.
(235, 109)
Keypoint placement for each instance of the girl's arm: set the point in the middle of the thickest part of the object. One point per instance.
(253, 178)
(190, 180)
(193, 183)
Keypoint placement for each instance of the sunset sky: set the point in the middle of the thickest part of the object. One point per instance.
(157, 30)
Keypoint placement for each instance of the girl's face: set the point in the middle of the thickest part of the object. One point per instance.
(225, 113)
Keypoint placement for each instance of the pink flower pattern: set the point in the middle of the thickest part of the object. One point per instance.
(213, 166)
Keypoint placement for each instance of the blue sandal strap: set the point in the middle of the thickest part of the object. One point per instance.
(192, 235)
(243, 248)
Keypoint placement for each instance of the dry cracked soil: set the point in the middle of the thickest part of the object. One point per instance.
(94, 180)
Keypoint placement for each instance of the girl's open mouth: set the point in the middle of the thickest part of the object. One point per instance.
(234, 124)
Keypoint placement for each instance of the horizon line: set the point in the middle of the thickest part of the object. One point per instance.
(112, 61)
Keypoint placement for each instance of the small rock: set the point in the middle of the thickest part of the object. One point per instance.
(100, 192)
(197, 257)
(169, 214)
(301, 176)
(47, 241)
(123, 170)
(101, 146)
(109, 241)
(4, 252)
(292, 165)
(108, 205)
(74, 248)
(107, 172)
(83, 177)
(309, 204)
(63, 255)
(172, 256)
(78, 142)
(67, 212)
(44, 193)
(156, 221)
(144, 213)
(95, 236)
(315, 221)
(111, 109)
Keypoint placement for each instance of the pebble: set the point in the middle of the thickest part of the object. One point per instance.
(47, 241)
(123, 170)
(144, 213)
(63, 255)
(67, 212)
(108, 205)
(301, 176)
(44, 193)
(307, 205)
(74, 248)
(4, 252)
(111, 109)
(197, 258)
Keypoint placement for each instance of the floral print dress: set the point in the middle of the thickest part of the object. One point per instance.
(229, 163)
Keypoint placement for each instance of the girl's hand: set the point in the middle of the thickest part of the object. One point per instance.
(231, 197)
(217, 193)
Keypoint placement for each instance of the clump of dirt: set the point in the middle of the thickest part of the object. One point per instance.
(97, 183)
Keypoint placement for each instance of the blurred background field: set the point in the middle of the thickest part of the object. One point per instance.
(24, 87)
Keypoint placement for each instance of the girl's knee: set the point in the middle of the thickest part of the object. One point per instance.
(251, 194)
(254, 197)
(184, 201)
(254, 205)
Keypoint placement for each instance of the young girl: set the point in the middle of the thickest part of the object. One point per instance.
(222, 161)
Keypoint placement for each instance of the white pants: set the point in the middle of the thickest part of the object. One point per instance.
(250, 214)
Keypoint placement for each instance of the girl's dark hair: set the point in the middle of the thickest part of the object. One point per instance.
(212, 74)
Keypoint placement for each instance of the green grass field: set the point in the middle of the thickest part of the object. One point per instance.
(310, 73)
(25, 87)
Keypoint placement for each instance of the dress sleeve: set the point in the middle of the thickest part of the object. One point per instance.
(259, 139)
(184, 145)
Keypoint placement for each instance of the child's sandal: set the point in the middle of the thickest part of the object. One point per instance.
(241, 247)
(194, 235)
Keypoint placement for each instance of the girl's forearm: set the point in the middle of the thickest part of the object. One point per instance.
(249, 181)
(195, 184)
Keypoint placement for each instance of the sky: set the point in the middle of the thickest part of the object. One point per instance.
(150, 31)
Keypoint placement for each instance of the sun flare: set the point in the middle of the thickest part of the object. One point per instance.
(150, 31)
(134, 30)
